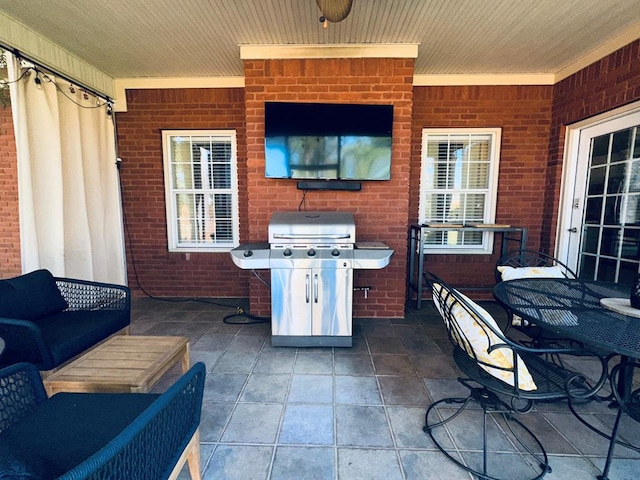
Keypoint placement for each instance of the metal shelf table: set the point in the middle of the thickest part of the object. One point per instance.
(417, 231)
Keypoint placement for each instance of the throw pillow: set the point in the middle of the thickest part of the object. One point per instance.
(30, 296)
(479, 339)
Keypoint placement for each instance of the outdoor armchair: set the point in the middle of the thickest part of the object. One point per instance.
(47, 320)
(72, 436)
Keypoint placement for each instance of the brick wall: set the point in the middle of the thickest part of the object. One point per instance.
(10, 263)
(533, 119)
(609, 83)
(524, 115)
(150, 266)
(380, 208)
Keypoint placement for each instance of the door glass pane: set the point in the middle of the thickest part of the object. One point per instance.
(587, 266)
(634, 175)
(611, 240)
(621, 145)
(594, 210)
(612, 211)
(631, 244)
(599, 150)
(590, 239)
(596, 181)
(617, 178)
(628, 272)
(606, 270)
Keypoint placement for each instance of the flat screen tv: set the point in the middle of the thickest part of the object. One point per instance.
(327, 141)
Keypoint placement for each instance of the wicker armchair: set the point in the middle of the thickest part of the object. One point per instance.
(47, 320)
(503, 376)
(73, 436)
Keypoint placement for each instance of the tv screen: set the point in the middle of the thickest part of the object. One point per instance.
(328, 141)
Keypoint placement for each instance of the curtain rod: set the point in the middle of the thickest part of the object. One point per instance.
(17, 53)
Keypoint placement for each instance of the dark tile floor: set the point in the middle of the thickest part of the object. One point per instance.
(354, 413)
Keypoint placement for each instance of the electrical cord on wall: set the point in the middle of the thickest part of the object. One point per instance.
(240, 312)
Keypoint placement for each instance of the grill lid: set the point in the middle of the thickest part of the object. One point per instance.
(312, 227)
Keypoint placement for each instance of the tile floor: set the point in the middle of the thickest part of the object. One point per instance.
(353, 413)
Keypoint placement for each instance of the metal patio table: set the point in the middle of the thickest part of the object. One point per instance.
(572, 309)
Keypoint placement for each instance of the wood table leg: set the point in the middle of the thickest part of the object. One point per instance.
(186, 359)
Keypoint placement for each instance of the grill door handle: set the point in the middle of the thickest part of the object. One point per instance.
(315, 288)
(306, 285)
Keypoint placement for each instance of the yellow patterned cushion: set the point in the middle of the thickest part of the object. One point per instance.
(480, 340)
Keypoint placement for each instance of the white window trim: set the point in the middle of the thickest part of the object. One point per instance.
(170, 203)
(486, 247)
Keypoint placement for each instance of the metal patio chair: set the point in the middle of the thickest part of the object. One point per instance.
(504, 377)
(531, 264)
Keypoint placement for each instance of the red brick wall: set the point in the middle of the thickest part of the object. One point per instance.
(10, 263)
(524, 115)
(380, 208)
(531, 163)
(609, 83)
(150, 266)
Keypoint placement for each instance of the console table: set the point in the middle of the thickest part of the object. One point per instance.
(415, 281)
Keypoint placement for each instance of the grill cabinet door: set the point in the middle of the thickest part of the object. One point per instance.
(307, 302)
(332, 292)
(290, 301)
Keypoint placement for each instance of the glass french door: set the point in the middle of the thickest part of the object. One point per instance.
(603, 237)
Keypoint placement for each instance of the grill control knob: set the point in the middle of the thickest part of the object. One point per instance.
(311, 252)
(247, 253)
(335, 252)
(287, 252)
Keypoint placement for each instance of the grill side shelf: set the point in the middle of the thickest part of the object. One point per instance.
(251, 256)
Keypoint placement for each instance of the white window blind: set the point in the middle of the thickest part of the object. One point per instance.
(458, 186)
(201, 190)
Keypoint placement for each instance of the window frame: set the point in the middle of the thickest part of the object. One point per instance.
(486, 245)
(172, 218)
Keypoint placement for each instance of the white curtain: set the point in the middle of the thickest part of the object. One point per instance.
(70, 210)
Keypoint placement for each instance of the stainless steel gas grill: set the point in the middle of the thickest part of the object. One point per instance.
(312, 256)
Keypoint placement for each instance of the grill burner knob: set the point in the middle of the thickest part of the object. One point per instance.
(335, 252)
(247, 253)
(287, 252)
(311, 252)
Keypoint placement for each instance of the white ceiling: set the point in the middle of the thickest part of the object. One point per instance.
(202, 38)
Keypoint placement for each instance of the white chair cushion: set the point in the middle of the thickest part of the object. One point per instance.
(513, 273)
(480, 339)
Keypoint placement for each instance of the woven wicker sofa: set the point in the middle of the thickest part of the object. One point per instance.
(47, 321)
(72, 436)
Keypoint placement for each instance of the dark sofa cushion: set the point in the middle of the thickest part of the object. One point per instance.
(65, 430)
(70, 333)
(30, 296)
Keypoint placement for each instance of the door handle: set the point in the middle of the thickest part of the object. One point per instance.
(306, 285)
(573, 230)
(315, 288)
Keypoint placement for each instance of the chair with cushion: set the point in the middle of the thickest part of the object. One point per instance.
(73, 436)
(530, 264)
(47, 320)
(503, 376)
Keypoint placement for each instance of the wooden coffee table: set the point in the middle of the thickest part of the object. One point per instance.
(123, 363)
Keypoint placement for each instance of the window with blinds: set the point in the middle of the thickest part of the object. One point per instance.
(458, 185)
(201, 190)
